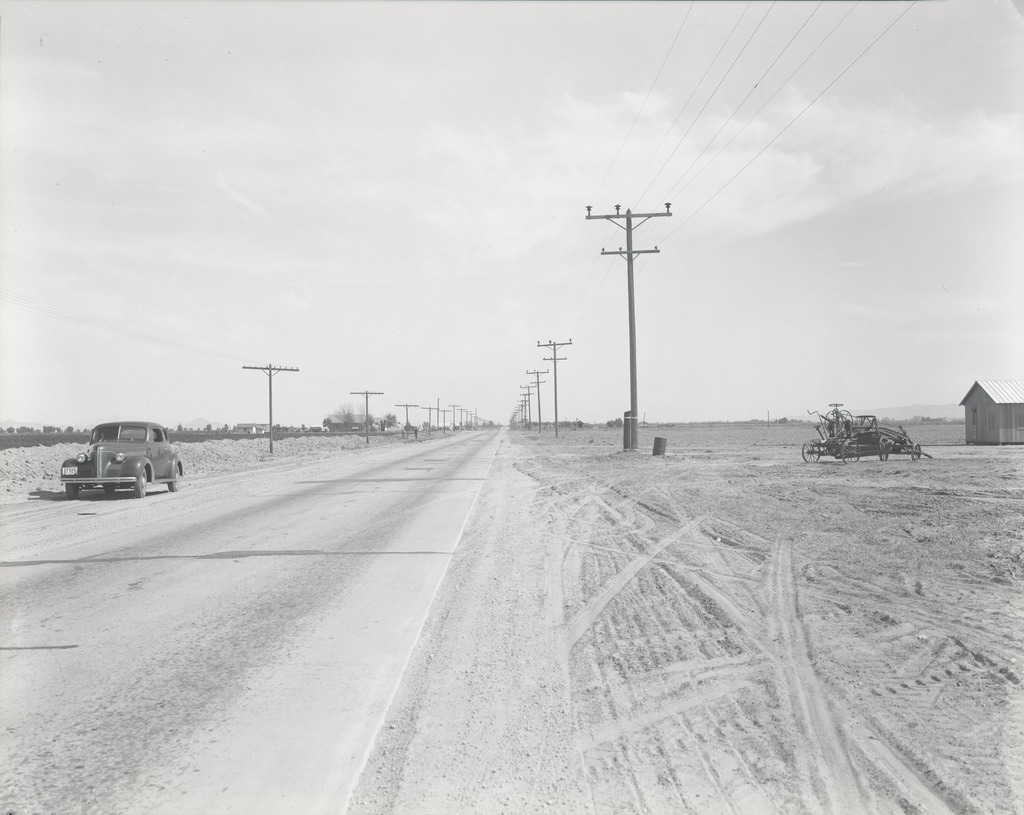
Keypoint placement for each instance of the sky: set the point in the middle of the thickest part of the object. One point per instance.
(390, 196)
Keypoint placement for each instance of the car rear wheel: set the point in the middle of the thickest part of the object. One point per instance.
(172, 485)
(140, 485)
(71, 491)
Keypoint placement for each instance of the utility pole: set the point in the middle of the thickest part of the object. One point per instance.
(405, 427)
(540, 423)
(442, 418)
(366, 410)
(554, 359)
(629, 254)
(454, 408)
(527, 394)
(270, 371)
(430, 412)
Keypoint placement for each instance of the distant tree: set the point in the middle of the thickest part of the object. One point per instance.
(26, 429)
(10, 429)
(390, 420)
(69, 429)
(616, 422)
(209, 428)
(345, 415)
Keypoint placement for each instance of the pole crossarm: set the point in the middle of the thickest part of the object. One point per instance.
(645, 216)
(622, 252)
(271, 371)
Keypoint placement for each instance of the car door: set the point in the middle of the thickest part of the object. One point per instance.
(159, 452)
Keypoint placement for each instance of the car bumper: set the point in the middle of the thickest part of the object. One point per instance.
(99, 482)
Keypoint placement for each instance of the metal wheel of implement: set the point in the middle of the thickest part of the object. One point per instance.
(810, 452)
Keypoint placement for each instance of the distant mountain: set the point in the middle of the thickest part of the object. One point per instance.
(908, 412)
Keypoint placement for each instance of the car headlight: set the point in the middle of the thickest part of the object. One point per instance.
(81, 458)
(119, 458)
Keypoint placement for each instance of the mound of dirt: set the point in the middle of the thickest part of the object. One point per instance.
(25, 470)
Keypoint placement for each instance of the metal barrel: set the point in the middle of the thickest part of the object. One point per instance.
(659, 445)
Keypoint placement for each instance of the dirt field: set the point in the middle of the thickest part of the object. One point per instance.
(726, 629)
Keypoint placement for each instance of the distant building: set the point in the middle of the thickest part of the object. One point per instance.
(253, 429)
(994, 412)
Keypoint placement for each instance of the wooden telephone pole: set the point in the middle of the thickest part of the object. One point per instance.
(540, 423)
(405, 427)
(366, 410)
(270, 371)
(630, 437)
(553, 359)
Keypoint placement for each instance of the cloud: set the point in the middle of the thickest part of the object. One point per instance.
(840, 154)
(237, 197)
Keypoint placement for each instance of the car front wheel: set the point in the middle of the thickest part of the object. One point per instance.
(172, 485)
(140, 485)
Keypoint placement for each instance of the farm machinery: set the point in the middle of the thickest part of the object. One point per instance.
(848, 437)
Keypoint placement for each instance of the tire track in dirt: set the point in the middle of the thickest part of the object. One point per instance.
(834, 779)
(683, 632)
(585, 618)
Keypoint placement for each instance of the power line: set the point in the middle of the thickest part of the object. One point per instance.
(708, 100)
(750, 93)
(686, 104)
(794, 119)
(58, 313)
(767, 101)
(643, 104)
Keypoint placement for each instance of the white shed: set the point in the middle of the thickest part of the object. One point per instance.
(994, 412)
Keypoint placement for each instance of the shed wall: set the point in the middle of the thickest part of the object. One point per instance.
(988, 423)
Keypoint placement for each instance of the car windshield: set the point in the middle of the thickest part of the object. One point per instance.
(113, 432)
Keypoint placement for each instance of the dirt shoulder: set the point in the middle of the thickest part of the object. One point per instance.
(716, 631)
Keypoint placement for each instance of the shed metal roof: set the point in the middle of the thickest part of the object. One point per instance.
(1002, 391)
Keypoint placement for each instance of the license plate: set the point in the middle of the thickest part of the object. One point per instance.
(69, 471)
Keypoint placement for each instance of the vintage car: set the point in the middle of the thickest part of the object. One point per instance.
(123, 455)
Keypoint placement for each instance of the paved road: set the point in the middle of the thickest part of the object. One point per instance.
(229, 648)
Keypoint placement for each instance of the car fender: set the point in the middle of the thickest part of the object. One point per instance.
(134, 466)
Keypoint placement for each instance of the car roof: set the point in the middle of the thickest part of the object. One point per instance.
(129, 421)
